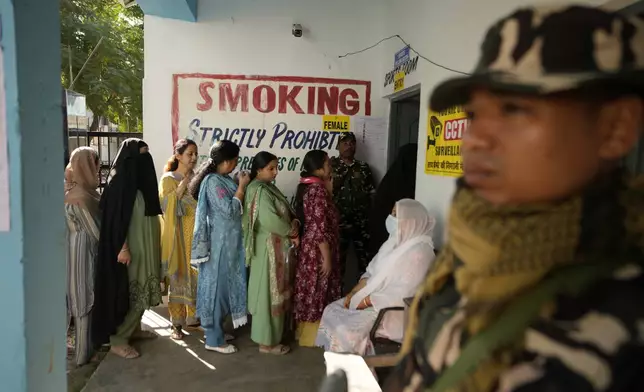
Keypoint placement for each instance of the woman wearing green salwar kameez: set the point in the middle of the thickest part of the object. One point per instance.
(143, 270)
(270, 230)
(128, 272)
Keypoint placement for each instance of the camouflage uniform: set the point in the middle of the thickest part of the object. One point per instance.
(352, 188)
(540, 51)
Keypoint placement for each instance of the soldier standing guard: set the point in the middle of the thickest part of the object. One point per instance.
(352, 189)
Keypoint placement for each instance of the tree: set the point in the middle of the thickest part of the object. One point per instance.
(112, 79)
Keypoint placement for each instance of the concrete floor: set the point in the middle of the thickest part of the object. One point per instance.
(166, 365)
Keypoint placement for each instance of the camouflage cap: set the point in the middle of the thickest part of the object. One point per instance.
(545, 50)
(346, 136)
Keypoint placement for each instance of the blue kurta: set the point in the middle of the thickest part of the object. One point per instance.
(218, 251)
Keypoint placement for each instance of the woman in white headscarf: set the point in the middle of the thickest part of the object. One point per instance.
(393, 274)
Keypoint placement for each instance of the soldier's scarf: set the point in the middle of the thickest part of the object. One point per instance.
(495, 253)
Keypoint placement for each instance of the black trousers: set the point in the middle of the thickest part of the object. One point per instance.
(355, 232)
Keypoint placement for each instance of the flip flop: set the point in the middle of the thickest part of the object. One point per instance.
(227, 349)
(125, 352)
(280, 349)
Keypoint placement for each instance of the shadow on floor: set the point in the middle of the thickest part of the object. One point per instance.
(167, 365)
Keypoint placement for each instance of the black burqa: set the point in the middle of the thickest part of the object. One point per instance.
(399, 183)
(131, 171)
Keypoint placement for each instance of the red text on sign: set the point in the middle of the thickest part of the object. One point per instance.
(265, 98)
(455, 129)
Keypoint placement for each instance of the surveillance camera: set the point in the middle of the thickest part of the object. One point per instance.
(297, 30)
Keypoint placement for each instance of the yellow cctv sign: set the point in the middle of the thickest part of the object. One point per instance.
(445, 131)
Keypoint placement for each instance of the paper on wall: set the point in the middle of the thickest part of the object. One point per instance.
(372, 134)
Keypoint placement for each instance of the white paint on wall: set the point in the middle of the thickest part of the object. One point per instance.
(252, 37)
(449, 33)
(248, 37)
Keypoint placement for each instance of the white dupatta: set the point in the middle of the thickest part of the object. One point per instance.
(403, 260)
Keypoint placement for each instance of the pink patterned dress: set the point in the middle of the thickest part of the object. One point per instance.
(312, 292)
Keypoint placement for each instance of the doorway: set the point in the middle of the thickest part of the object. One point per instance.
(403, 120)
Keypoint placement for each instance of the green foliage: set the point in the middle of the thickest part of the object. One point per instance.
(112, 79)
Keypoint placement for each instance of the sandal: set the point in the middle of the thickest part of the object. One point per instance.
(228, 337)
(125, 352)
(177, 333)
(227, 349)
(144, 335)
(279, 349)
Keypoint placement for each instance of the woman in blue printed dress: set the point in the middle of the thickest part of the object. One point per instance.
(217, 246)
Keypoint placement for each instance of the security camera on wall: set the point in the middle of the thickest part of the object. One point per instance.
(297, 30)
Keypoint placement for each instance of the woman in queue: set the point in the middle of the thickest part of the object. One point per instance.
(217, 245)
(129, 261)
(270, 229)
(179, 209)
(393, 275)
(82, 217)
(318, 280)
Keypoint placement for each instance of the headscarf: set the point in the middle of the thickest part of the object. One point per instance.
(415, 226)
(399, 183)
(68, 178)
(131, 171)
(81, 179)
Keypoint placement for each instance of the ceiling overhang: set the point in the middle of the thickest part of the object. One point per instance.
(623, 5)
(185, 10)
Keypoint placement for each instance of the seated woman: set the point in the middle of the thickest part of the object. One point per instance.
(394, 274)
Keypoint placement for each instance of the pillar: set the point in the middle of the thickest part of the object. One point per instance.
(32, 252)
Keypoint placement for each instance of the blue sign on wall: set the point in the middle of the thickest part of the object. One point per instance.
(401, 56)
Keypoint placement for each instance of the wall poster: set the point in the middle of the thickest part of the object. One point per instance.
(445, 132)
(286, 115)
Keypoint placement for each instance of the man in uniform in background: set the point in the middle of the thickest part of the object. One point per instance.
(352, 188)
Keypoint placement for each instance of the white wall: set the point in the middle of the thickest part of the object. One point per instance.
(253, 37)
(449, 33)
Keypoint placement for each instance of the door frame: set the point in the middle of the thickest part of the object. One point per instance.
(392, 149)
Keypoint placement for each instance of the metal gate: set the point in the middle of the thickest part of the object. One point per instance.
(105, 143)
